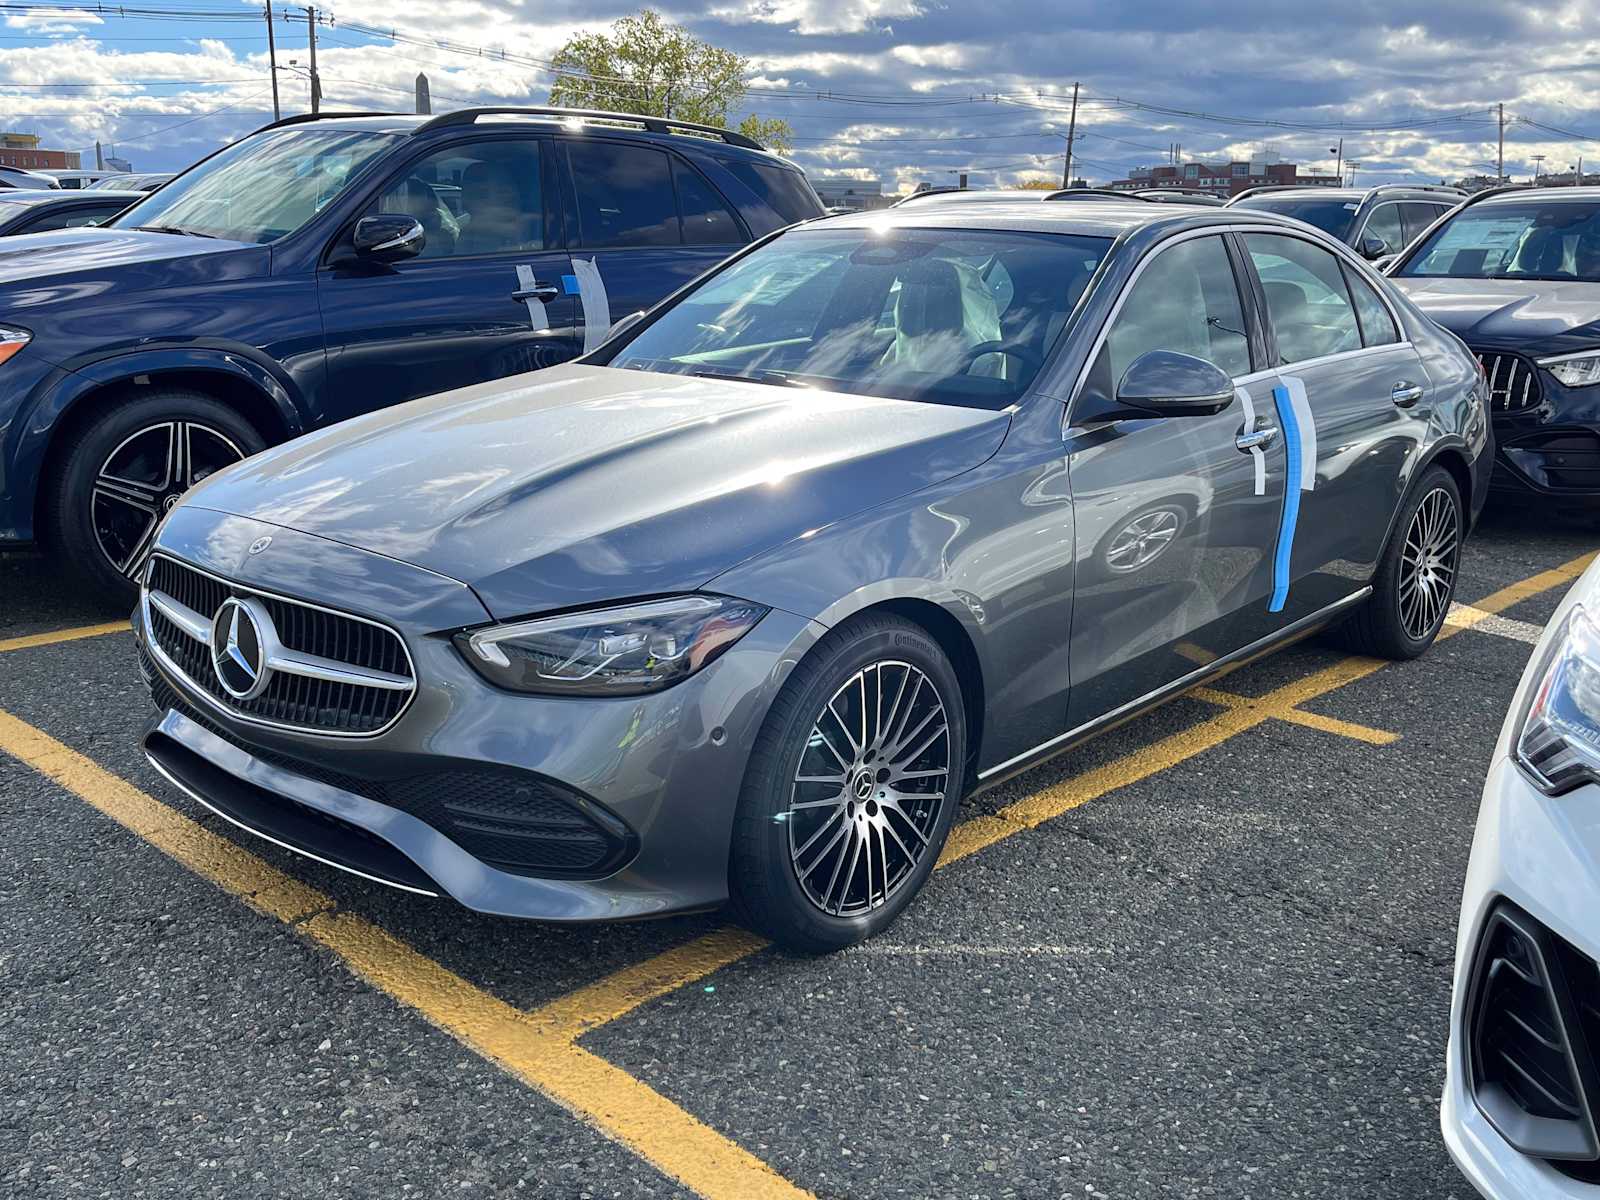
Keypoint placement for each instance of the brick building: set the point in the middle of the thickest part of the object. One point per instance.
(22, 150)
(1222, 178)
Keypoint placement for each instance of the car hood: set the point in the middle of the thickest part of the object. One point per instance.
(1538, 316)
(580, 484)
(71, 264)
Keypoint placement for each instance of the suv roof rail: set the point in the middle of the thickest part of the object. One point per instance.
(467, 116)
(1489, 193)
(302, 118)
(1280, 187)
(1069, 193)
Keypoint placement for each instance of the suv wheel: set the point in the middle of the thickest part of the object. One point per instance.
(852, 787)
(121, 473)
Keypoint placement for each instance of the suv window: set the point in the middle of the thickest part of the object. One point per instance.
(1306, 296)
(1377, 326)
(477, 198)
(1186, 300)
(784, 190)
(1416, 218)
(624, 195)
(707, 220)
(1384, 224)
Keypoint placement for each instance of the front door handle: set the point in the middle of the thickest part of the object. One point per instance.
(539, 291)
(1406, 393)
(1256, 439)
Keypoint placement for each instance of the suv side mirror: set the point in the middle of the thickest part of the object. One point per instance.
(388, 237)
(1374, 247)
(1167, 384)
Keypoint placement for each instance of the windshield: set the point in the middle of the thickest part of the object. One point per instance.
(260, 188)
(947, 316)
(1522, 240)
(1330, 216)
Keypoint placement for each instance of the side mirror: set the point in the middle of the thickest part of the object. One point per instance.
(1373, 247)
(389, 237)
(1167, 384)
(622, 326)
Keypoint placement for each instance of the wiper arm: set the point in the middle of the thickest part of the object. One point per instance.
(772, 378)
(173, 229)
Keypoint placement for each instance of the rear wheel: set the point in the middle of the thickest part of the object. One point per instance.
(120, 474)
(852, 787)
(1416, 577)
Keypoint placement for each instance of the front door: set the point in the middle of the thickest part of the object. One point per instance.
(492, 293)
(1176, 517)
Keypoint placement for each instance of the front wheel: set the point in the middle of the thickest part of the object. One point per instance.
(852, 787)
(1416, 577)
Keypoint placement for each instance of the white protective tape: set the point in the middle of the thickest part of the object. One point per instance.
(526, 283)
(1308, 430)
(596, 308)
(1255, 451)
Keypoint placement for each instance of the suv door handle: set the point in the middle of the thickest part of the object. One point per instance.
(1406, 393)
(539, 291)
(1256, 439)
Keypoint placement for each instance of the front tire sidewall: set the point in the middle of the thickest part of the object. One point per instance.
(1391, 574)
(766, 889)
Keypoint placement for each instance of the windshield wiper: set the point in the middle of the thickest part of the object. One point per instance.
(173, 229)
(774, 378)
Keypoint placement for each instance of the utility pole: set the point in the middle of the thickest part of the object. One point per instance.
(272, 56)
(1338, 161)
(1577, 180)
(1072, 133)
(1500, 156)
(316, 81)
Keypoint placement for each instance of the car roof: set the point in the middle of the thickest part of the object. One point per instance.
(975, 196)
(1541, 194)
(29, 196)
(1088, 218)
(1417, 192)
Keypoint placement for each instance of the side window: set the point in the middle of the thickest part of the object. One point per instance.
(477, 198)
(706, 219)
(624, 195)
(68, 220)
(785, 190)
(1384, 224)
(1307, 302)
(1414, 218)
(1377, 326)
(1187, 300)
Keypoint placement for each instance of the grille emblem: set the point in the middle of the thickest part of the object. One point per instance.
(260, 544)
(240, 634)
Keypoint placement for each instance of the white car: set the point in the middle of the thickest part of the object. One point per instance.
(1521, 1110)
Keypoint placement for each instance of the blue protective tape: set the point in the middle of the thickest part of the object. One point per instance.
(1291, 499)
(569, 284)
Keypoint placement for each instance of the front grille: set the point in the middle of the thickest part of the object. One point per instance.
(1533, 1030)
(291, 700)
(512, 820)
(1513, 381)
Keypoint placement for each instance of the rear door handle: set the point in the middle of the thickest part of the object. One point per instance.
(539, 291)
(1406, 393)
(1257, 439)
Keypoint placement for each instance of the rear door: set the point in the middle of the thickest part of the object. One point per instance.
(1175, 520)
(642, 222)
(490, 295)
(1345, 395)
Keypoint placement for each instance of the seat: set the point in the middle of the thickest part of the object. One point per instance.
(497, 219)
(929, 318)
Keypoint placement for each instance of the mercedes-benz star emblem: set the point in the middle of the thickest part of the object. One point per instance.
(260, 544)
(239, 636)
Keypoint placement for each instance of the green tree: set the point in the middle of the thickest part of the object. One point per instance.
(646, 66)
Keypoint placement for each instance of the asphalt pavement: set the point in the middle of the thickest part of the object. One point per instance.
(1208, 954)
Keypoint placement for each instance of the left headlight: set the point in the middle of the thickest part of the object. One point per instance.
(1575, 370)
(623, 651)
(1558, 744)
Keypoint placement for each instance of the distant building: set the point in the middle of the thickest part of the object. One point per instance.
(1476, 183)
(22, 150)
(861, 195)
(1222, 178)
(113, 163)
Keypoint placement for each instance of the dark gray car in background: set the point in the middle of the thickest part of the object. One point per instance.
(886, 509)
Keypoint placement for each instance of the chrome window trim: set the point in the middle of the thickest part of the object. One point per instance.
(191, 687)
(1338, 249)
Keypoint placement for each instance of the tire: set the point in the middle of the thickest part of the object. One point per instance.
(1406, 610)
(821, 899)
(118, 474)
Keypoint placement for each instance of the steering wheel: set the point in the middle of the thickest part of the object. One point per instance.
(1015, 349)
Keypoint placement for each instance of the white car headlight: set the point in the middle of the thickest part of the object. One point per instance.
(623, 651)
(1558, 744)
(1575, 370)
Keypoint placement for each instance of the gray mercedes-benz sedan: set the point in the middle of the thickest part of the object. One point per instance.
(881, 511)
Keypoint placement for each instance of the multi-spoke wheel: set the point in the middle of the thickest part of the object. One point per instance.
(125, 469)
(852, 786)
(1416, 577)
(1428, 563)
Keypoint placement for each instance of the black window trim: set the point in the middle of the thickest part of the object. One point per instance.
(576, 244)
(1350, 281)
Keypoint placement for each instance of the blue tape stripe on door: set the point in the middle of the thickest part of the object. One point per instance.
(569, 284)
(1291, 499)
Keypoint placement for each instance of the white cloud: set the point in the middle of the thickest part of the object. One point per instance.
(822, 16)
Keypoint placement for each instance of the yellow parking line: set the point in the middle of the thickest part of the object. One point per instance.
(62, 635)
(1468, 615)
(537, 1050)
(1295, 716)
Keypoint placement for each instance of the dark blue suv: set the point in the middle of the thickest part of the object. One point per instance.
(325, 266)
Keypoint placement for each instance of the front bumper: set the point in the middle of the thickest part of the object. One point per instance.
(661, 772)
(1542, 854)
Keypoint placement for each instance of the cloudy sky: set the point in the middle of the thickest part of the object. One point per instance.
(899, 90)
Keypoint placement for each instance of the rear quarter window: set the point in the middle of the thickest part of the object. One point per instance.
(785, 190)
